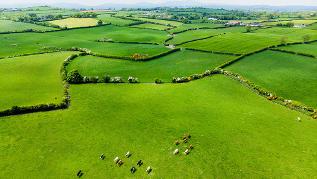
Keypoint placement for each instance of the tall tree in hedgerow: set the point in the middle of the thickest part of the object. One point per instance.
(74, 77)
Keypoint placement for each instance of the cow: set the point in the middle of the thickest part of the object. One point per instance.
(176, 151)
(148, 170)
(140, 163)
(133, 170)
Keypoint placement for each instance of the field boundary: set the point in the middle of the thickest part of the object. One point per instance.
(214, 52)
(292, 52)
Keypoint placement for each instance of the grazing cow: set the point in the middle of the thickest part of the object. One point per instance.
(128, 154)
(140, 163)
(299, 119)
(186, 151)
(176, 151)
(102, 156)
(120, 162)
(116, 160)
(133, 170)
(148, 170)
(177, 142)
(80, 173)
(191, 146)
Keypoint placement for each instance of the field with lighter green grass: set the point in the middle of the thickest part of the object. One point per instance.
(183, 63)
(112, 119)
(290, 76)
(75, 22)
(31, 80)
(163, 22)
(11, 26)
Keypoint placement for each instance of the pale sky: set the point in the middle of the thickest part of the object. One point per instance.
(227, 2)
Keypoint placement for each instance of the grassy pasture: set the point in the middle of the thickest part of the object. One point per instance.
(302, 48)
(163, 22)
(290, 76)
(262, 38)
(193, 26)
(75, 22)
(85, 38)
(296, 22)
(183, 63)
(219, 113)
(151, 26)
(107, 18)
(202, 33)
(11, 26)
(31, 80)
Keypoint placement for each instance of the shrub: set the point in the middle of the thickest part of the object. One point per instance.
(158, 81)
(116, 80)
(93, 79)
(106, 79)
(133, 80)
(74, 77)
(180, 79)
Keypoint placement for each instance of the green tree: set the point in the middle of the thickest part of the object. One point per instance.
(74, 77)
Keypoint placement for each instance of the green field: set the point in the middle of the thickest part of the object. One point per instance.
(11, 26)
(202, 33)
(152, 26)
(257, 122)
(112, 119)
(75, 22)
(193, 26)
(183, 63)
(302, 48)
(290, 76)
(107, 18)
(31, 80)
(85, 38)
(262, 38)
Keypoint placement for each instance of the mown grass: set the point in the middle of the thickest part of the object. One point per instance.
(183, 63)
(107, 18)
(31, 80)
(290, 76)
(75, 22)
(11, 26)
(235, 133)
(310, 48)
(17, 44)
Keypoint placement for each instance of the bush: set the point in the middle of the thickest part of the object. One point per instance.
(94, 79)
(116, 80)
(158, 81)
(180, 79)
(74, 77)
(133, 80)
(106, 79)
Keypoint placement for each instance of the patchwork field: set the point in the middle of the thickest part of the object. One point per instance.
(182, 63)
(31, 80)
(290, 76)
(193, 26)
(302, 48)
(202, 33)
(223, 136)
(23, 43)
(152, 26)
(11, 26)
(107, 18)
(179, 119)
(75, 22)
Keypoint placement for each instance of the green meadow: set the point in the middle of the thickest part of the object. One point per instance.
(31, 80)
(112, 119)
(12, 26)
(290, 76)
(199, 125)
(183, 63)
